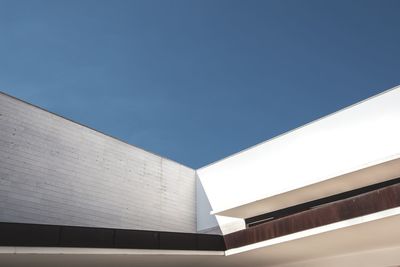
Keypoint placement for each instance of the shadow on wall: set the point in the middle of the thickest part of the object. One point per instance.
(206, 223)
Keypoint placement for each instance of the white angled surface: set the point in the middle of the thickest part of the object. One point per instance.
(357, 137)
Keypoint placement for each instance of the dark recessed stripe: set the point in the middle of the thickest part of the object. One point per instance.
(210, 242)
(178, 241)
(38, 235)
(359, 205)
(86, 237)
(136, 239)
(15, 234)
(253, 221)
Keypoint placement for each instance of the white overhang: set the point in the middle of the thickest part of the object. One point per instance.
(366, 176)
(351, 148)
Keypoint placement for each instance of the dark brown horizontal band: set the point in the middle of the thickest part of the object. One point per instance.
(40, 235)
(253, 221)
(359, 205)
(384, 196)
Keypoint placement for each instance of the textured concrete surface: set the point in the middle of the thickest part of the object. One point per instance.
(55, 171)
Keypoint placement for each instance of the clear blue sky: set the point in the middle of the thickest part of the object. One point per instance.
(196, 81)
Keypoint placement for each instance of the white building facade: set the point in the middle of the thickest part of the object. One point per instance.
(324, 194)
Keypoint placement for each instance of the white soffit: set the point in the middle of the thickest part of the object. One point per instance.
(351, 148)
(357, 237)
(364, 177)
(335, 228)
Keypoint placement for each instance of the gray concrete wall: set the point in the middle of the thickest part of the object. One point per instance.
(55, 171)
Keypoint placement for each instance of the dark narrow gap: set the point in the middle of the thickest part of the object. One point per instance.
(256, 220)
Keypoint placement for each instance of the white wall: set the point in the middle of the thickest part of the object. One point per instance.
(345, 141)
(206, 223)
(55, 171)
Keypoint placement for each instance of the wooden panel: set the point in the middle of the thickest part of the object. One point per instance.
(363, 204)
(250, 222)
